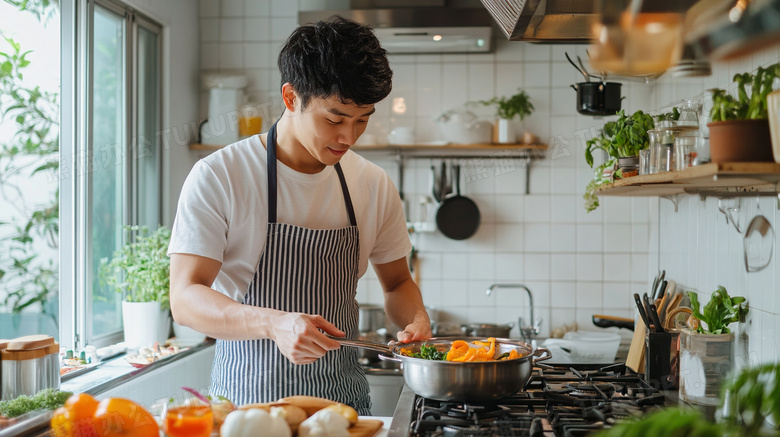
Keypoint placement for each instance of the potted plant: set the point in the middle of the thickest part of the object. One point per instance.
(739, 126)
(707, 350)
(140, 270)
(623, 139)
(518, 105)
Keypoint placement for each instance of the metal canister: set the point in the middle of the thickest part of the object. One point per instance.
(27, 366)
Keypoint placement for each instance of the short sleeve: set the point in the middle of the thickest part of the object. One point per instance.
(392, 240)
(202, 215)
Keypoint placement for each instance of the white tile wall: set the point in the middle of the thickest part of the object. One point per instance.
(701, 251)
(576, 263)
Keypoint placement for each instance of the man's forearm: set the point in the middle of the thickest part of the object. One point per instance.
(216, 315)
(404, 305)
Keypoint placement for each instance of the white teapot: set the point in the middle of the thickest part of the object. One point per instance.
(461, 126)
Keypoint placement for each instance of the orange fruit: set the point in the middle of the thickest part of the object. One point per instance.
(117, 417)
(76, 417)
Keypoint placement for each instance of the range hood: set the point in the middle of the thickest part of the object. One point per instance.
(418, 26)
(560, 21)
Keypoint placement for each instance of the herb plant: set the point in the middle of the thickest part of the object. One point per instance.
(623, 137)
(721, 311)
(599, 179)
(673, 421)
(744, 106)
(519, 105)
(141, 268)
(47, 399)
(755, 395)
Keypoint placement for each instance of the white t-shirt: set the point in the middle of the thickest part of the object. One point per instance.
(223, 210)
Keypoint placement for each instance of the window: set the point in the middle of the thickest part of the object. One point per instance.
(29, 144)
(112, 152)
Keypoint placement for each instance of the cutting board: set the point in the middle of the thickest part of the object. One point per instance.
(365, 427)
(636, 352)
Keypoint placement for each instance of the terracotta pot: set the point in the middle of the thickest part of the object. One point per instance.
(740, 141)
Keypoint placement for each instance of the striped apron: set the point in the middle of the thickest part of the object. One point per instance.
(312, 271)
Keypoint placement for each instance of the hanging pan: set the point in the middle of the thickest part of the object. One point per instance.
(458, 216)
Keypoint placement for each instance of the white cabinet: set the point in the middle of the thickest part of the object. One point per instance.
(385, 389)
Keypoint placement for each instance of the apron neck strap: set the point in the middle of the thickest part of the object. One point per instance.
(271, 167)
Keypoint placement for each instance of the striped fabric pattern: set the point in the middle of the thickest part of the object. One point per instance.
(311, 271)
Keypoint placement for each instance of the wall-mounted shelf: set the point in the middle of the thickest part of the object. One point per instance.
(457, 150)
(713, 179)
(427, 149)
(526, 152)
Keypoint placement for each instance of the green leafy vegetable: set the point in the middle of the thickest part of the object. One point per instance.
(673, 116)
(429, 353)
(745, 106)
(591, 201)
(754, 394)
(670, 422)
(721, 311)
(48, 399)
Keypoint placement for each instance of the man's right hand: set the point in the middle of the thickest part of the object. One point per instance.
(298, 337)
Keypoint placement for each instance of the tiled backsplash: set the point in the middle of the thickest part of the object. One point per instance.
(576, 263)
(702, 251)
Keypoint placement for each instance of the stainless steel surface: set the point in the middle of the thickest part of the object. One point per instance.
(29, 376)
(370, 318)
(30, 424)
(402, 416)
(487, 330)
(409, 27)
(527, 332)
(462, 381)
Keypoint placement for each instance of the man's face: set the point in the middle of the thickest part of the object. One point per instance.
(327, 128)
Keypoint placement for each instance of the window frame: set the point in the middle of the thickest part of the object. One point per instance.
(77, 41)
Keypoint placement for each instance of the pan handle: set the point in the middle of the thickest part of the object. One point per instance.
(541, 354)
(384, 357)
(378, 347)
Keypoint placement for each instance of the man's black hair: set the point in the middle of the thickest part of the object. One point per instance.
(337, 57)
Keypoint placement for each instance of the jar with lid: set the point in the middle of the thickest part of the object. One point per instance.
(690, 112)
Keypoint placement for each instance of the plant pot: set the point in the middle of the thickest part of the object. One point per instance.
(740, 141)
(504, 131)
(145, 324)
(629, 165)
(705, 362)
(186, 337)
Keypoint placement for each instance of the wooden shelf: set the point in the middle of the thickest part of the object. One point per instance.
(449, 147)
(707, 178)
(421, 147)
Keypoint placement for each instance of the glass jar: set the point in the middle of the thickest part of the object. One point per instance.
(690, 111)
(655, 150)
(685, 149)
(644, 161)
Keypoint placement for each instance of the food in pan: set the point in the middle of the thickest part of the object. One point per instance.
(462, 351)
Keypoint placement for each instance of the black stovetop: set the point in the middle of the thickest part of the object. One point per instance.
(558, 401)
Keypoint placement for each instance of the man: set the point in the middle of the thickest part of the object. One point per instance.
(282, 225)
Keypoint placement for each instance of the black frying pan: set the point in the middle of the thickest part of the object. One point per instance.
(458, 216)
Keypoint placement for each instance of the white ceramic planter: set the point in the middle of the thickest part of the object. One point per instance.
(504, 131)
(186, 337)
(144, 324)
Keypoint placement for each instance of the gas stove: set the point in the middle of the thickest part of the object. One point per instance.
(566, 401)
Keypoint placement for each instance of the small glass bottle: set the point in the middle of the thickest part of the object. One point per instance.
(667, 141)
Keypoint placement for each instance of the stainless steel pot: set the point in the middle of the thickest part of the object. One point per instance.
(487, 330)
(463, 382)
(370, 318)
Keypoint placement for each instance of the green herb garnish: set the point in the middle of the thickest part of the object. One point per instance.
(429, 353)
(48, 399)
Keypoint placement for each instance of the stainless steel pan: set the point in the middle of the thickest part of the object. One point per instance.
(463, 382)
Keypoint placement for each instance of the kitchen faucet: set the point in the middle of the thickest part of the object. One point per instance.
(527, 332)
